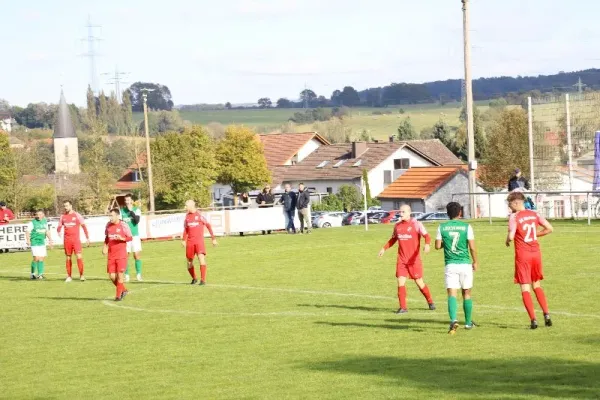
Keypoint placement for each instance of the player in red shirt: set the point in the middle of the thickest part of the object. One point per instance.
(408, 233)
(5, 214)
(117, 234)
(193, 240)
(523, 230)
(71, 221)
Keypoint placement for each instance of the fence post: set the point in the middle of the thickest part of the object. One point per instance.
(490, 207)
(589, 208)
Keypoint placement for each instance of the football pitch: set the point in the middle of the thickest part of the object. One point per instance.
(300, 317)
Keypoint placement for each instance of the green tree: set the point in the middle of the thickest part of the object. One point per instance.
(43, 153)
(103, 108)
(7, 167)
(98, 178)
(91, 105)
(127, 113)
(265, 102)
(158, 96)
(114, 116)
(479, 135)
(308, 97)
(350, 197)
(241, 160)
(329, 203)
(14, 165)
(349, 97)
(160, 122)
(178, 178)
(442, 132)
(508, 148)
(40, 197)
(406, 130)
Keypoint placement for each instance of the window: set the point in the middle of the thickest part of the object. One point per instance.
(330, 190)
(357, 164)
(401, 163)
(387, 177)
(559, 209)
(339, 163)
(397, 205)
(324, 163)
(136, 175)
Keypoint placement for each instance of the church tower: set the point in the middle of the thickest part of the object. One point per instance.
(66, 150)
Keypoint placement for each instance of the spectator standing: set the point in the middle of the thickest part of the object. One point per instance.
(265, 199)
(6, 214)
(518, 181)
(288, 199)
(303, 204)
(244, 200)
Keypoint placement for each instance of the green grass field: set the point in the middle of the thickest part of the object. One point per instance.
(300, 317)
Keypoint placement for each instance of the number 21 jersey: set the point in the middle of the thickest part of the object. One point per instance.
(525, 224)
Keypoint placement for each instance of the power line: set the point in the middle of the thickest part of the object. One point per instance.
(91, 53)
(117, 80)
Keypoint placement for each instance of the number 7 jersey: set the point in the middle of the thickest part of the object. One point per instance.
(524, 224)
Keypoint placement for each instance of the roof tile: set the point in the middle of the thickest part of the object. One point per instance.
(419, 182)
(279, 148)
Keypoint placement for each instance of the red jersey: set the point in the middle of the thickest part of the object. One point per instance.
(408, 234)
(193, 227)
(524, 224)
(5, 216)
(116, 237)
(71, 223)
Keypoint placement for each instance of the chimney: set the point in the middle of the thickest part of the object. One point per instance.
(358, 148)
(392, 138)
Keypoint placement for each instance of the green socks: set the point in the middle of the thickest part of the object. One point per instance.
(33, 266)
(452, 308)
(138, 266)
(468, 307)
(40, 267)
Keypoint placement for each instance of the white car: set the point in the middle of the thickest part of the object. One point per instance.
(329, 220)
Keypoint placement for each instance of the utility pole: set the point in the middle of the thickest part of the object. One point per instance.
(117, 80)
(469, 103)
(148, 157)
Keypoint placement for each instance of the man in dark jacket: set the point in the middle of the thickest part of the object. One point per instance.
(288, 199)
(302, 204)
(518, 181)
(265, 199)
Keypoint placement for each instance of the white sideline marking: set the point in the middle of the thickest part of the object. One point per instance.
(284, 290)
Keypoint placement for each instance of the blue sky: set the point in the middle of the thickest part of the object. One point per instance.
(240, 50)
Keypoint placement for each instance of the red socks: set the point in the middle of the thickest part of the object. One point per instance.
(402, 297)
(192, 271)
(425, 292)
(69, 267)
(120, 289)
(541, 298)
(203, 273)
(80, 266)
(528, 304)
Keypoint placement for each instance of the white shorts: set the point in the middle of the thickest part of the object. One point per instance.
(135, 246)
(39, 251)
(459, 276)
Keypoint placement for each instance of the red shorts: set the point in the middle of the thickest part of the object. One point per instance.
(116, 266)
(72, 247)
(528, 268)
(412, 271)
(193, 249)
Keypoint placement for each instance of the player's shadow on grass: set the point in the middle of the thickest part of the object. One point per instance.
(14, 278)
(345, 307)
(490, 378)
(363, 325)
(73, 298)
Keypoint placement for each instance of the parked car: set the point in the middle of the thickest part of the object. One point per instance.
(329, 220)
(315, 215)
(389, 216)
(434, 216)
(375, 218)
(351, 216)
(417, 214)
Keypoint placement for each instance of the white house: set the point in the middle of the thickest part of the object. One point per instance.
(6, 121)
(329, 167)
(281, 149)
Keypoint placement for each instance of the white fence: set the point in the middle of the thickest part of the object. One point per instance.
(166, 226)
(553, 204)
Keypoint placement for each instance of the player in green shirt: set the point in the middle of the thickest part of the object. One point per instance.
(131, 215)
(457, 239)
(37, 232)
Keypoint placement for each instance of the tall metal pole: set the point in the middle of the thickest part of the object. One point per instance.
(364, 191)
(148, 158)
(569, 152)
(530, 131)
(469, 104)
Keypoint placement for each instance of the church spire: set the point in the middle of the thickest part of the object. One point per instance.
(64, 125)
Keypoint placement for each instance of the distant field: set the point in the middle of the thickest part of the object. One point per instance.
(378, 126)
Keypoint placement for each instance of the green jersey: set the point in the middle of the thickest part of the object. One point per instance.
(37, 231)
(455, 236)
(126, 217)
